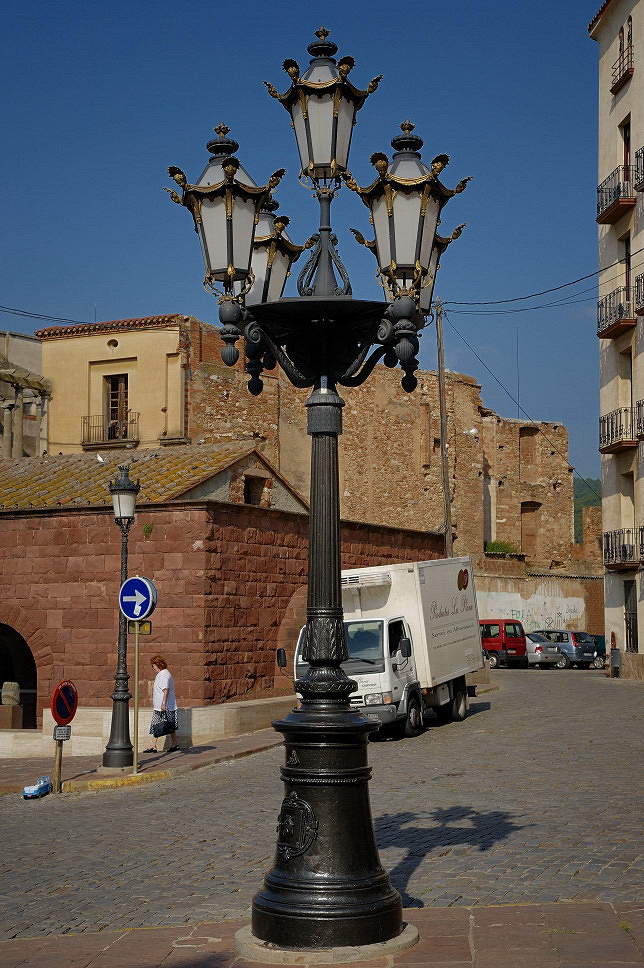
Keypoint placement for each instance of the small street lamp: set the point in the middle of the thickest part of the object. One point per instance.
(327, 887)
(119, 752)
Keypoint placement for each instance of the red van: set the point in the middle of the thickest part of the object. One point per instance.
(504, 641)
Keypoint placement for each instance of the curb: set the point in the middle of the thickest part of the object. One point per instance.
(139, 779)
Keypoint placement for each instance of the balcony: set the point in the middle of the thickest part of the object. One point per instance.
(99, 431)
(638, 295)
(616, 313)
(623, 69)
(622, 548)
(616, 195)
(638, 175)
(617, 431)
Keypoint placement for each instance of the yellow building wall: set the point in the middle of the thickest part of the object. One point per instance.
(77, 367)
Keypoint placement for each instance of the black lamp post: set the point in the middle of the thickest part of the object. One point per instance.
(119, 752)
(327, 887)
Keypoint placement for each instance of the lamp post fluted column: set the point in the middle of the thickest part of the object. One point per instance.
(119, 752)
(327, 887)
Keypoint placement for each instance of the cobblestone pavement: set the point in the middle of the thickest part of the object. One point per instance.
(535, 797)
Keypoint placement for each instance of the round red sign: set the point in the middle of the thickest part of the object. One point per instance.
(64, 702)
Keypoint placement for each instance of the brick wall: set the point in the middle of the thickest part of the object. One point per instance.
(226, 576)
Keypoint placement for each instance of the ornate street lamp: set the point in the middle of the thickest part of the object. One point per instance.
(405, 203)
(327, 887)
(273, 254)
(118, 752)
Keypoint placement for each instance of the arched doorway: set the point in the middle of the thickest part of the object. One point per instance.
(17, 664)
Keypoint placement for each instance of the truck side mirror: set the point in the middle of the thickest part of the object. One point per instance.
(405, 648)
(281, 658)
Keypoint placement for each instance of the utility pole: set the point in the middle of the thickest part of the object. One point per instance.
(447, 504)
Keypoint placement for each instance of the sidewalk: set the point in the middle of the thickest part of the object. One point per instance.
(81, 773)
(589, 935)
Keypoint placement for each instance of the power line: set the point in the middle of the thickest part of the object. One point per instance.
(519, 407)
(12, 311)
(544, 292)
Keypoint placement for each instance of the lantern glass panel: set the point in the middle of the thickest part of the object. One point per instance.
(346, 115)
(406, 221)
(381, 227)
(243, 232)
(300, 135)
(429, 229)
(124, 503)
(321, 126)
(212, 233)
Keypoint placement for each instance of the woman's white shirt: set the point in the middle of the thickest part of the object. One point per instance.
(164, 680)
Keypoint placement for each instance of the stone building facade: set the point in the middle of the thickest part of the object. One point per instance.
(510, 479)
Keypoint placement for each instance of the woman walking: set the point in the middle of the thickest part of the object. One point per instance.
(164, 703)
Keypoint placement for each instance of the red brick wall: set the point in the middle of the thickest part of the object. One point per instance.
(226, 575)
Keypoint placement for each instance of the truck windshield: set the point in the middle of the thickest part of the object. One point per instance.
(364, 645)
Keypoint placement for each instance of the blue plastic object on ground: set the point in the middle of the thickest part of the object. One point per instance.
(40, 788)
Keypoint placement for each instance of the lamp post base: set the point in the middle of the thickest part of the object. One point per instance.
(327, 888)
(252, 949)
(119, 751)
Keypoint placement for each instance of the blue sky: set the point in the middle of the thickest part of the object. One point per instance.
(103, 97)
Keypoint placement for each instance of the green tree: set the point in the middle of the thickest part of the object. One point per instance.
(587, 494)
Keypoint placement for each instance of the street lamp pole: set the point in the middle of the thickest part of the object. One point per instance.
(119, 751)
(327, 887)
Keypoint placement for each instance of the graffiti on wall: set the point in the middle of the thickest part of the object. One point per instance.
(534, 611)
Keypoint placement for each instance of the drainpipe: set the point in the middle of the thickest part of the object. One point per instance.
(16, 450)
(7, 407)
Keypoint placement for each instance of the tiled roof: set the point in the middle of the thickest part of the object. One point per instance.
(593, 23)
(81, 479)
(111, 326)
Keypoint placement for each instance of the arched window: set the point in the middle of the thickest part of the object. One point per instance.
(629, 32)
(621, 41)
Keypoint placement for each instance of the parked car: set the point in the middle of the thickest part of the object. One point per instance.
(541, 652)
(577, 648)
(504, 642)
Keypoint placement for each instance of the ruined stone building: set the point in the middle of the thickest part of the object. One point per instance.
(23, 396)
(159, 381)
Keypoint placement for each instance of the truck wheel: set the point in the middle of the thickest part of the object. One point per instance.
(493, 660)
(458, 705)
(414, 720)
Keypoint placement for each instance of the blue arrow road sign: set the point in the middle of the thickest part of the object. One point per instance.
(137, 598)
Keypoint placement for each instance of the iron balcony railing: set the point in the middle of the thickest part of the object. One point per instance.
(613, 307)
(639, 418)
(638, 175)
(623, 547)
(616, 427)
(101, 430)
(617, 186)
(638, 297)
(622, 69)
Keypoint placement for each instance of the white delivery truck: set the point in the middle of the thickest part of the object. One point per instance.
(412, 634)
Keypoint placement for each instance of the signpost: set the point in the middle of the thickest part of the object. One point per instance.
(137, 600)
(64, 703)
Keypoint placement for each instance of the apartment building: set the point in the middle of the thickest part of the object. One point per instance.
(618, 28)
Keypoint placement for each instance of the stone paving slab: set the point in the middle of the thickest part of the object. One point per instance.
(83, 773)
(527, 936)
(536, 797)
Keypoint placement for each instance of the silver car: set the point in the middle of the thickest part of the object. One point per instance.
(541, 652)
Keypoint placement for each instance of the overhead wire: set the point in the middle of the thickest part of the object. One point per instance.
(514, 400)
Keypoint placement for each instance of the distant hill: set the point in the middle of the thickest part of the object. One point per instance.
(585, 497)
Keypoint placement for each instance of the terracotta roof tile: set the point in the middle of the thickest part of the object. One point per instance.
(111, 326)
(593, 23)
(72, 479)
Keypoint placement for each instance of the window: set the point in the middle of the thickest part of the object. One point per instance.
(626, 242)
(490, 630)
(396, 633)
(116, 406)
(253, 490)
(621, 41)
(512, 630)
(530, 527)
(625, 129)
(629, 32)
